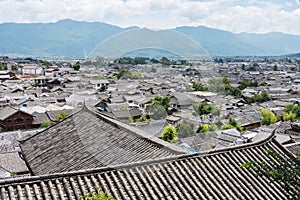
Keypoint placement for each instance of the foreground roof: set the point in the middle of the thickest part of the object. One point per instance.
(88, 140)
(211, 175)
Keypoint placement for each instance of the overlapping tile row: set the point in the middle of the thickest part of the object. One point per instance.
(85, 141)
(216, 175)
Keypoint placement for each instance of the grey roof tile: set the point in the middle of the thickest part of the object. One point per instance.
(210, 175)
(12, 162)
(87, 140)
(7, 112)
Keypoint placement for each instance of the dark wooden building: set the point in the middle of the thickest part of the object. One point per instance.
(14, 119)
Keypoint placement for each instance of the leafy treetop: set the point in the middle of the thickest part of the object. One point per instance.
(97, 195)
(61, 116)
(285, 171)
(76, 66)
(169, 134)
(268, 117)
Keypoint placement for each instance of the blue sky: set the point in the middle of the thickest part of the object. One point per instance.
(254, 16)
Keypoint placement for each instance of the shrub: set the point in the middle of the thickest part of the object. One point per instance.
(203, 128)
(61, 116)
(46, 123)
(289, 116)
(97, 195)
(232, 123)
(185, 129)
(213, 128)
(227, 126)
(267, 117)
(169, 134)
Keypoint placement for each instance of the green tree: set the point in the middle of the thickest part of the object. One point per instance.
(213, 128)
(275, 68)
(76, 66)
(122, 72)
(103, 88)
(97, 195)
(14, 67)
(143, 118)
(13, 174)
(263, 84)
(284, 171)
(267, 117)
(245, 83)
(154, 61)
(156, 111)
(204, 108)
(236, 124)
(260, 98)
(227, 126)
(140, 60)
(101, 77)
(185, 129)
(243, 66)
(223, 86)
(136, 75)
(233, 123)
(198, 86)
(46, 63)
(130, 119)
(203, 128)
(215, 110)
(61, 116)
(289, 116)
(253, 67)
(164, 101)
(265, 96)
(165, 61)
(169, 134)
(2, 67)
(46, 123)
(294, 69)
(294, 108)
(289, 107)
(124, 60)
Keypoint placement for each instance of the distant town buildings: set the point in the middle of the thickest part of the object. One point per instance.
(101, 126)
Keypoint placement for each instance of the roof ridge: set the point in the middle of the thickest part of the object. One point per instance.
(137, 132)
(17, 180)
(15, 110)
(57, 123)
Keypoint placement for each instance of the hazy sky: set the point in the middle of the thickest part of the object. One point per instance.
(256, 16)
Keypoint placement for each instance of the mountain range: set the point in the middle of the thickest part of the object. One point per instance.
(69, 38)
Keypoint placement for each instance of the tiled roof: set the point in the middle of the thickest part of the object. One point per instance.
(87, 140)
(210, 175)
(121, 114)
(52, 114)
(38, 118)
(7, 112)
(12, 162)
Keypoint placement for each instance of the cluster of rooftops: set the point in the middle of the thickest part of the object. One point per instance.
(92, 149)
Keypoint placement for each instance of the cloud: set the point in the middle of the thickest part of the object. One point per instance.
(232, 15)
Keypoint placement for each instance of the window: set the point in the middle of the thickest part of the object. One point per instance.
(19, 120)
